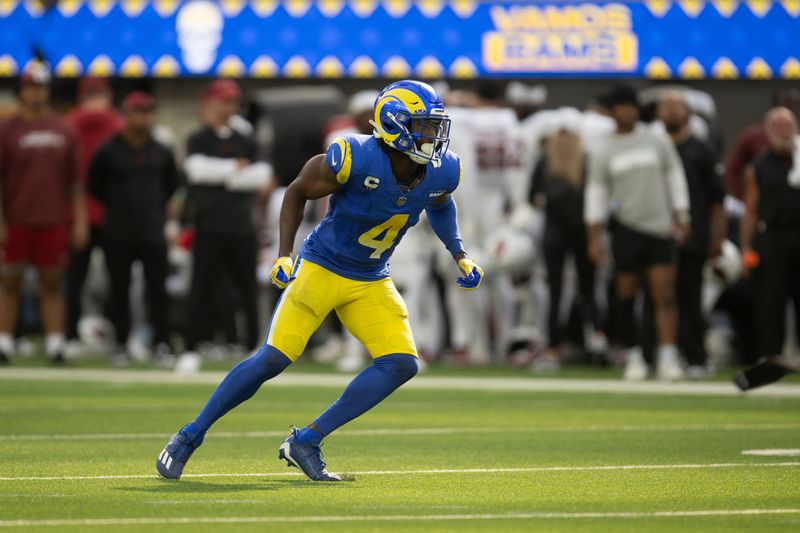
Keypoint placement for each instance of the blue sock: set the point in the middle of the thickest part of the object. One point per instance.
(367, 390)
(193, 433)
(309, 436)
(241, 384)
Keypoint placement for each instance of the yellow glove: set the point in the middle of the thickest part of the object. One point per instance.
(473, 274)
(281, 274)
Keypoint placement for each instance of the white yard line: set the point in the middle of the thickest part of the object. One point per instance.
(631, 428)
(514, 384)
(384, 518)
(696, 466)
(774, 452)
(201, 501)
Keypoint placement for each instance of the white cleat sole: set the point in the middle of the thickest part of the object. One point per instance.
(283, 453)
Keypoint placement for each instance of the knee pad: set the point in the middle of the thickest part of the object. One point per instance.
(271, 360)
(401, 365)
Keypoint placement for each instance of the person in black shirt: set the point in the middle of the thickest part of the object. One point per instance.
(558, 186)
(135, 176)
(770, 238)
(223, 173)
(709, 226)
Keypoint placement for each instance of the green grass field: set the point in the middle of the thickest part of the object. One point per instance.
(79, 456)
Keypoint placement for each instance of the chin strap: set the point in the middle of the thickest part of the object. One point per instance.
(376, 129)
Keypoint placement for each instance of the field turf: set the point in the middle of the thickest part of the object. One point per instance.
(79, 456)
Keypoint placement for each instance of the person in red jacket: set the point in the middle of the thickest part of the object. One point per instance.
(40, 193)
(95, 121)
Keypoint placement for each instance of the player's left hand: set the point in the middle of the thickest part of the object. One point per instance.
(473, 274)
(281, 274)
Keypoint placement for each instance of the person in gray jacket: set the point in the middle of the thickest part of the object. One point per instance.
(636, 185)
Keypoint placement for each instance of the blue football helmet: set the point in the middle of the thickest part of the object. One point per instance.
(410, 117)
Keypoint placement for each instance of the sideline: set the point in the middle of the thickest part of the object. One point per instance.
(628, 428)
(383, 518)
(515, 384)
(589, 468)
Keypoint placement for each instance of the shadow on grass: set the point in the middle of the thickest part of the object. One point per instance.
(208, 487)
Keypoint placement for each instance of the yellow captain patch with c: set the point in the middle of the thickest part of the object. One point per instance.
(373, 311)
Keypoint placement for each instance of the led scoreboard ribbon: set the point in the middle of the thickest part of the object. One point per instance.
(690, 39)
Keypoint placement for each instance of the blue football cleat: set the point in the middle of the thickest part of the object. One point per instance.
(306, 457)
(179, 449)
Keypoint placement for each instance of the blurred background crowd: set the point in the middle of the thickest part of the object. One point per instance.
(642, 227)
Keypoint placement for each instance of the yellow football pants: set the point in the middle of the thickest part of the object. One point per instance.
(373, 311)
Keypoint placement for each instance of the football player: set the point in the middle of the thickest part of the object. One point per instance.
(379, 185)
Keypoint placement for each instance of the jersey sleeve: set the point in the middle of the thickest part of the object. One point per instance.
(460, 174)
(340, 158)
(454, 173)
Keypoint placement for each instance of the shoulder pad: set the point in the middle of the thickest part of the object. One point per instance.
(351, 154)
(452, 170)
(340, 158)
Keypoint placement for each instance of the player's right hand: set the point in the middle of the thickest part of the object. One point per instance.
(281, 274)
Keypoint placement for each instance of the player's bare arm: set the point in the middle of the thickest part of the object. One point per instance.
(316, 180)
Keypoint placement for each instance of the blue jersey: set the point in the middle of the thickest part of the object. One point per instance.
(369, 213)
